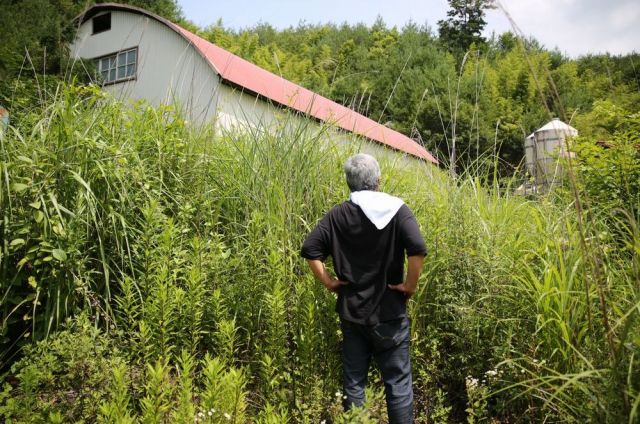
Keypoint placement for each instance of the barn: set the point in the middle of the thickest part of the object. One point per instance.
(139, 55)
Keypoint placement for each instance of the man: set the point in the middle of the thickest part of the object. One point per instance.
(367, 238)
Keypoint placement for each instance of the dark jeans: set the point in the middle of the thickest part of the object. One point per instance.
(388, 343)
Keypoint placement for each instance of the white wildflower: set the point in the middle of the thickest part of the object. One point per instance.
(491, 373)
(227, 416)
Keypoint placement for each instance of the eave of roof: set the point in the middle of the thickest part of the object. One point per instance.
(241, 73)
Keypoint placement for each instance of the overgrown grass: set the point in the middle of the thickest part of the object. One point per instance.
(181, 246)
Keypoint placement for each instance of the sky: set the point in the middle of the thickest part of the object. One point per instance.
(575, 27)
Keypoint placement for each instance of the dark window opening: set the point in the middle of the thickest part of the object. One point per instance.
(102, 23)
(116, 67)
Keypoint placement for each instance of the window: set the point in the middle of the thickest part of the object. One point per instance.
(117, 67)
(101, 23)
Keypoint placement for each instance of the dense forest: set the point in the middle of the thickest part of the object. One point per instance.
(489, 97)
(151, 273)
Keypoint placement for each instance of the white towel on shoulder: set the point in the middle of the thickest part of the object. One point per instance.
(379, 207)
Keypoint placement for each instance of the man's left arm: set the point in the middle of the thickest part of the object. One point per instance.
(410, 284)
(416, 249)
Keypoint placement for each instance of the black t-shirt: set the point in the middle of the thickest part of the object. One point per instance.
(367, 259)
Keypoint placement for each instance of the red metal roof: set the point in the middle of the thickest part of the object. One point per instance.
(272, 87)
(275, 88)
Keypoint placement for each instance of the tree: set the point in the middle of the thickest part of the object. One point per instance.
(35, 35)
(166, 8)
(464, 24)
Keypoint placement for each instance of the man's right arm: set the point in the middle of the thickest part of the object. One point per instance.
(315, 249)
(322, 275)
(317, 243)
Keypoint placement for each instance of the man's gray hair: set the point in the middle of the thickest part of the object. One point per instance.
(362, 172)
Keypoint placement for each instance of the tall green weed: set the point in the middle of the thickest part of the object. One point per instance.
(181, 244)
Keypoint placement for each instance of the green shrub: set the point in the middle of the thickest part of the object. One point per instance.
(609, 168)
(65, 376)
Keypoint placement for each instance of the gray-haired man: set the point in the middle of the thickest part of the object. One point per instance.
(367, 238)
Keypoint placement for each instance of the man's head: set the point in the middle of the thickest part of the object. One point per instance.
(362, 172)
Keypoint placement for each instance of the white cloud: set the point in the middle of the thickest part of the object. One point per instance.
(625, 16)
(576, 27)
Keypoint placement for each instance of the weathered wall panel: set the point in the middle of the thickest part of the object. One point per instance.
(169, 70)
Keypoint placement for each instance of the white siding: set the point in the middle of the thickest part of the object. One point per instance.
(169, 70)
(236, 108)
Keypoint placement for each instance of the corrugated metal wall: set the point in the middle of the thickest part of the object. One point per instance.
(169, 70)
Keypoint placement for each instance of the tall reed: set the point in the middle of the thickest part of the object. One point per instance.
(183, 245)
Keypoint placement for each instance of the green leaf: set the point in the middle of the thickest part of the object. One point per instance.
(23, 261)
(18, 187)
(17, 242)
(32, 282)
(39, 216)
(59, 254)
(24, 159)
(36, 204)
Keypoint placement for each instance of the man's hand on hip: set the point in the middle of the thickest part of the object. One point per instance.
(321, 274)
(414, 267)
(408, 291)
(334, 285)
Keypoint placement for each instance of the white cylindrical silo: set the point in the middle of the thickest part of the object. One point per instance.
(550, 146)
(530, 154)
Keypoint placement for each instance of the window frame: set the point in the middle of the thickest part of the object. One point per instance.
(93, 31)
(116, 66)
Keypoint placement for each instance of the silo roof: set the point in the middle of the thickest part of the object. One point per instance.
(557, 125)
